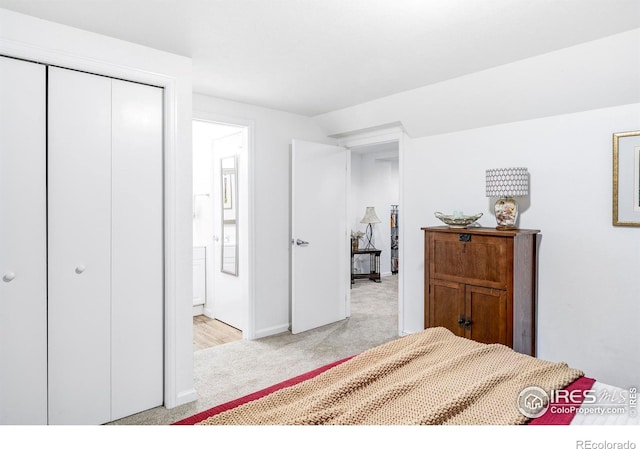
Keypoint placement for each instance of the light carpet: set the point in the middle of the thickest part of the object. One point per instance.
(226, 372)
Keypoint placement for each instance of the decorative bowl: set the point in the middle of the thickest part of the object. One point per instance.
(457, 221)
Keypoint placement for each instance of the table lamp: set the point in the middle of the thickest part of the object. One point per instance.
(370, 218)
(506, 184)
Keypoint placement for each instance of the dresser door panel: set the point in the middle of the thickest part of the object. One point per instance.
(487, 309)
(447, 306)
(481, 261)
(23, 269)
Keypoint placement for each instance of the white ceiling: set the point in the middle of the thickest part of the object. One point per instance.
(315, 56)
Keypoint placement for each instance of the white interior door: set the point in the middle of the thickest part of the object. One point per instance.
(79, 228)
(228, 303)
(105, 248)
(137, 262)
(320, 251)
(23, 269)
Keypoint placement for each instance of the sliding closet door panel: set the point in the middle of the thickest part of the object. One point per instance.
(79, 171)
(137, 249)
(23, 269)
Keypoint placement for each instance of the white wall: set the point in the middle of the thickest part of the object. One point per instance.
(598, 74)
(34, 39)
(587, 283)
(375, 182)
(273, 132)
(588, 287)
(202, 143)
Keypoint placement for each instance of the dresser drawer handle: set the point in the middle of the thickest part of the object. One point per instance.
(464, 237)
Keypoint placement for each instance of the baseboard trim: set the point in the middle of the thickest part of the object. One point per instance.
(197, 310)
(184, 397)
(271, 331)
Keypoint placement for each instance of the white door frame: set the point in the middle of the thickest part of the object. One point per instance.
(249, 280)
(50, 56)
(366, 138)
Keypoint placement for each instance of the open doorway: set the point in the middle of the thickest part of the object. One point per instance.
(220, 232)
(374, 215)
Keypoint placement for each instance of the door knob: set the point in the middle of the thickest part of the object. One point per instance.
(9, 276)
(80, 269)
(301, 242)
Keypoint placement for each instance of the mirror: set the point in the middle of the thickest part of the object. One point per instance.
(229, 204)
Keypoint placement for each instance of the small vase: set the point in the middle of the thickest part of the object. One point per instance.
(354, 244)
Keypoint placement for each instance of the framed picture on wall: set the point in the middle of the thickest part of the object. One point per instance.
(626, 179)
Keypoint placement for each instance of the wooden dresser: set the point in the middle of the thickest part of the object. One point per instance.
(480, 283)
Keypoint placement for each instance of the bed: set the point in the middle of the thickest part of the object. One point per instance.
(431, 378)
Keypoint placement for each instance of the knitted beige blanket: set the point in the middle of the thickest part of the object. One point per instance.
(431, 377)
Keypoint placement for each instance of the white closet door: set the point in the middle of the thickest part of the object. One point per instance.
(137, 249)
(79, 228)
(23, 308)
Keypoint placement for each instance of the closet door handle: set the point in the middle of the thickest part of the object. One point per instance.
(80, 269)
(9, 276)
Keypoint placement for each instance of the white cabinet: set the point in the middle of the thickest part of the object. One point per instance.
(199, 276)
(97, 293)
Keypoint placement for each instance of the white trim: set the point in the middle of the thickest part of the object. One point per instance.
(184, 397)
(172, 397)
(403, 236)
(250, 332)
(198, 310)
(370, 131)
(379, 136)
(68, 60)
(636, 177)
(273, 330)
(208, 312)
(373, 137)
(349, 207)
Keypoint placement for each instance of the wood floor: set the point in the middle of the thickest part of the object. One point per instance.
(208, 332)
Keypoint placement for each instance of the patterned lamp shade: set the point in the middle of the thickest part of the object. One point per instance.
(507, 182)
